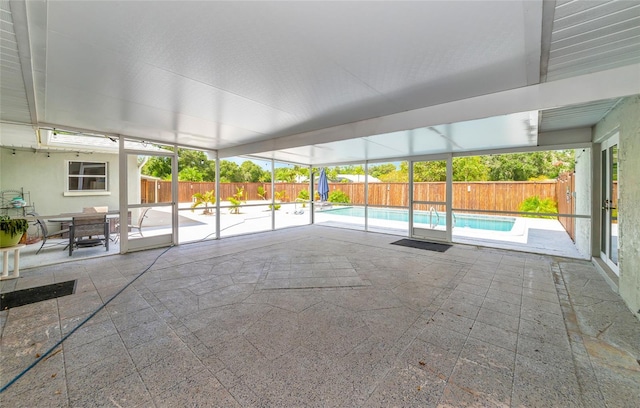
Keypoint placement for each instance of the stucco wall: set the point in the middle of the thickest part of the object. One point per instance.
(45, 178)
(625, 119)
(1, 155)
(583, 193)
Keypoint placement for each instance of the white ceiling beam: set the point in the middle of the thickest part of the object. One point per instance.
(613, 83)
(19, 17)
(548, 14)
(533, 15)
(580, 135)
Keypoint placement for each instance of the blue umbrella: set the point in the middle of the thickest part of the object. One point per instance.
(323, 186)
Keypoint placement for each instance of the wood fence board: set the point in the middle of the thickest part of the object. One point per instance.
(500, 196)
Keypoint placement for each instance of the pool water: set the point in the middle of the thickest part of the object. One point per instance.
(480, 222)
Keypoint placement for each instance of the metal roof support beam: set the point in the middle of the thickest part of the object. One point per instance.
(613, 83)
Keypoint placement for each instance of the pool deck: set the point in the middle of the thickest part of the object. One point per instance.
(540, 236)
(537, 235)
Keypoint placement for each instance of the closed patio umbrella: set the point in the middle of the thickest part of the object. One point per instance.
(323, 186)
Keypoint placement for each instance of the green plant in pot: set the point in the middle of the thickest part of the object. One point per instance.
(11, 230)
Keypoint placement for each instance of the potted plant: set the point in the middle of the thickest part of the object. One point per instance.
(11, 230)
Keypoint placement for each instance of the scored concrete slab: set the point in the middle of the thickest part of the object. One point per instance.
(318, 316)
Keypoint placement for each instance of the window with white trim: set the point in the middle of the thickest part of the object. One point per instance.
(86, 176)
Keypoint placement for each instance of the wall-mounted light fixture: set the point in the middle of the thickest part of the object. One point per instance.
(14, 152)
(48, 154)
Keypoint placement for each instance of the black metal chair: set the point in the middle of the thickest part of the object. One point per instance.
(88, 231)
(42, 224)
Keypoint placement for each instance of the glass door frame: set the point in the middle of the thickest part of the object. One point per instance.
(606, 201)
(157, 241)
(433, 234)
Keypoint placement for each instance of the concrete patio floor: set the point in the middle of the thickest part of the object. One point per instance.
(319, 316)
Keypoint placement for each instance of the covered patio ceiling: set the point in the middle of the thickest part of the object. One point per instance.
(316, 82)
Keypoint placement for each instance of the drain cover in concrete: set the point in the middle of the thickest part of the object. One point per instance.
(36, 294)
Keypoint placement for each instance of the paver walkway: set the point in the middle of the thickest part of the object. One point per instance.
(317, 316)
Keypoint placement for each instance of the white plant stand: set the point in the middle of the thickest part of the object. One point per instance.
(16, 261)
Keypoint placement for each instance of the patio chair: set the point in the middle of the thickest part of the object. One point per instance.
(93, 210)
(88, 231)
(323, 205)
(42, 224)
(136, 226)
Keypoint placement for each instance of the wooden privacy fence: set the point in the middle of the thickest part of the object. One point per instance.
(565, 187)
(481, 195)
(467, 196)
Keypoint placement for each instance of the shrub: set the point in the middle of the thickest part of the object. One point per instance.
(303, 194)
(339, 196)
(536, 205)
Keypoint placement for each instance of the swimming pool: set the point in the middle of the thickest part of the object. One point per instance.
(473, 221)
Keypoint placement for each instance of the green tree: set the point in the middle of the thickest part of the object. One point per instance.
(429, 171)
(515, 166)
(209, 173)
(251, 172)
(197, 160)
(470, 169)
(396, 176)
(194, 159)
(286, 174)
(381, 169)
(158, 166)
(230, 172)
(190, 174)
(350, 169)
(563, 161)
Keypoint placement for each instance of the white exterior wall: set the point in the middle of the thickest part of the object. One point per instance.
(133, 180)
(583, 194)
(45, 179)
(625, 119)
(1, 156)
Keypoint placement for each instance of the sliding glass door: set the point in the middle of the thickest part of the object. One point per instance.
(609, 200)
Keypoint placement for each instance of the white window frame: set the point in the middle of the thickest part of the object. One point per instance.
(68, 176)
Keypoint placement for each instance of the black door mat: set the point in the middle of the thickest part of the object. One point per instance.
(431, 246)
(37, 294)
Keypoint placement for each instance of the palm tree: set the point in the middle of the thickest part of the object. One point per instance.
(206, 198)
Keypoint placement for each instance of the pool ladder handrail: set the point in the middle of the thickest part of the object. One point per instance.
(431, 224)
